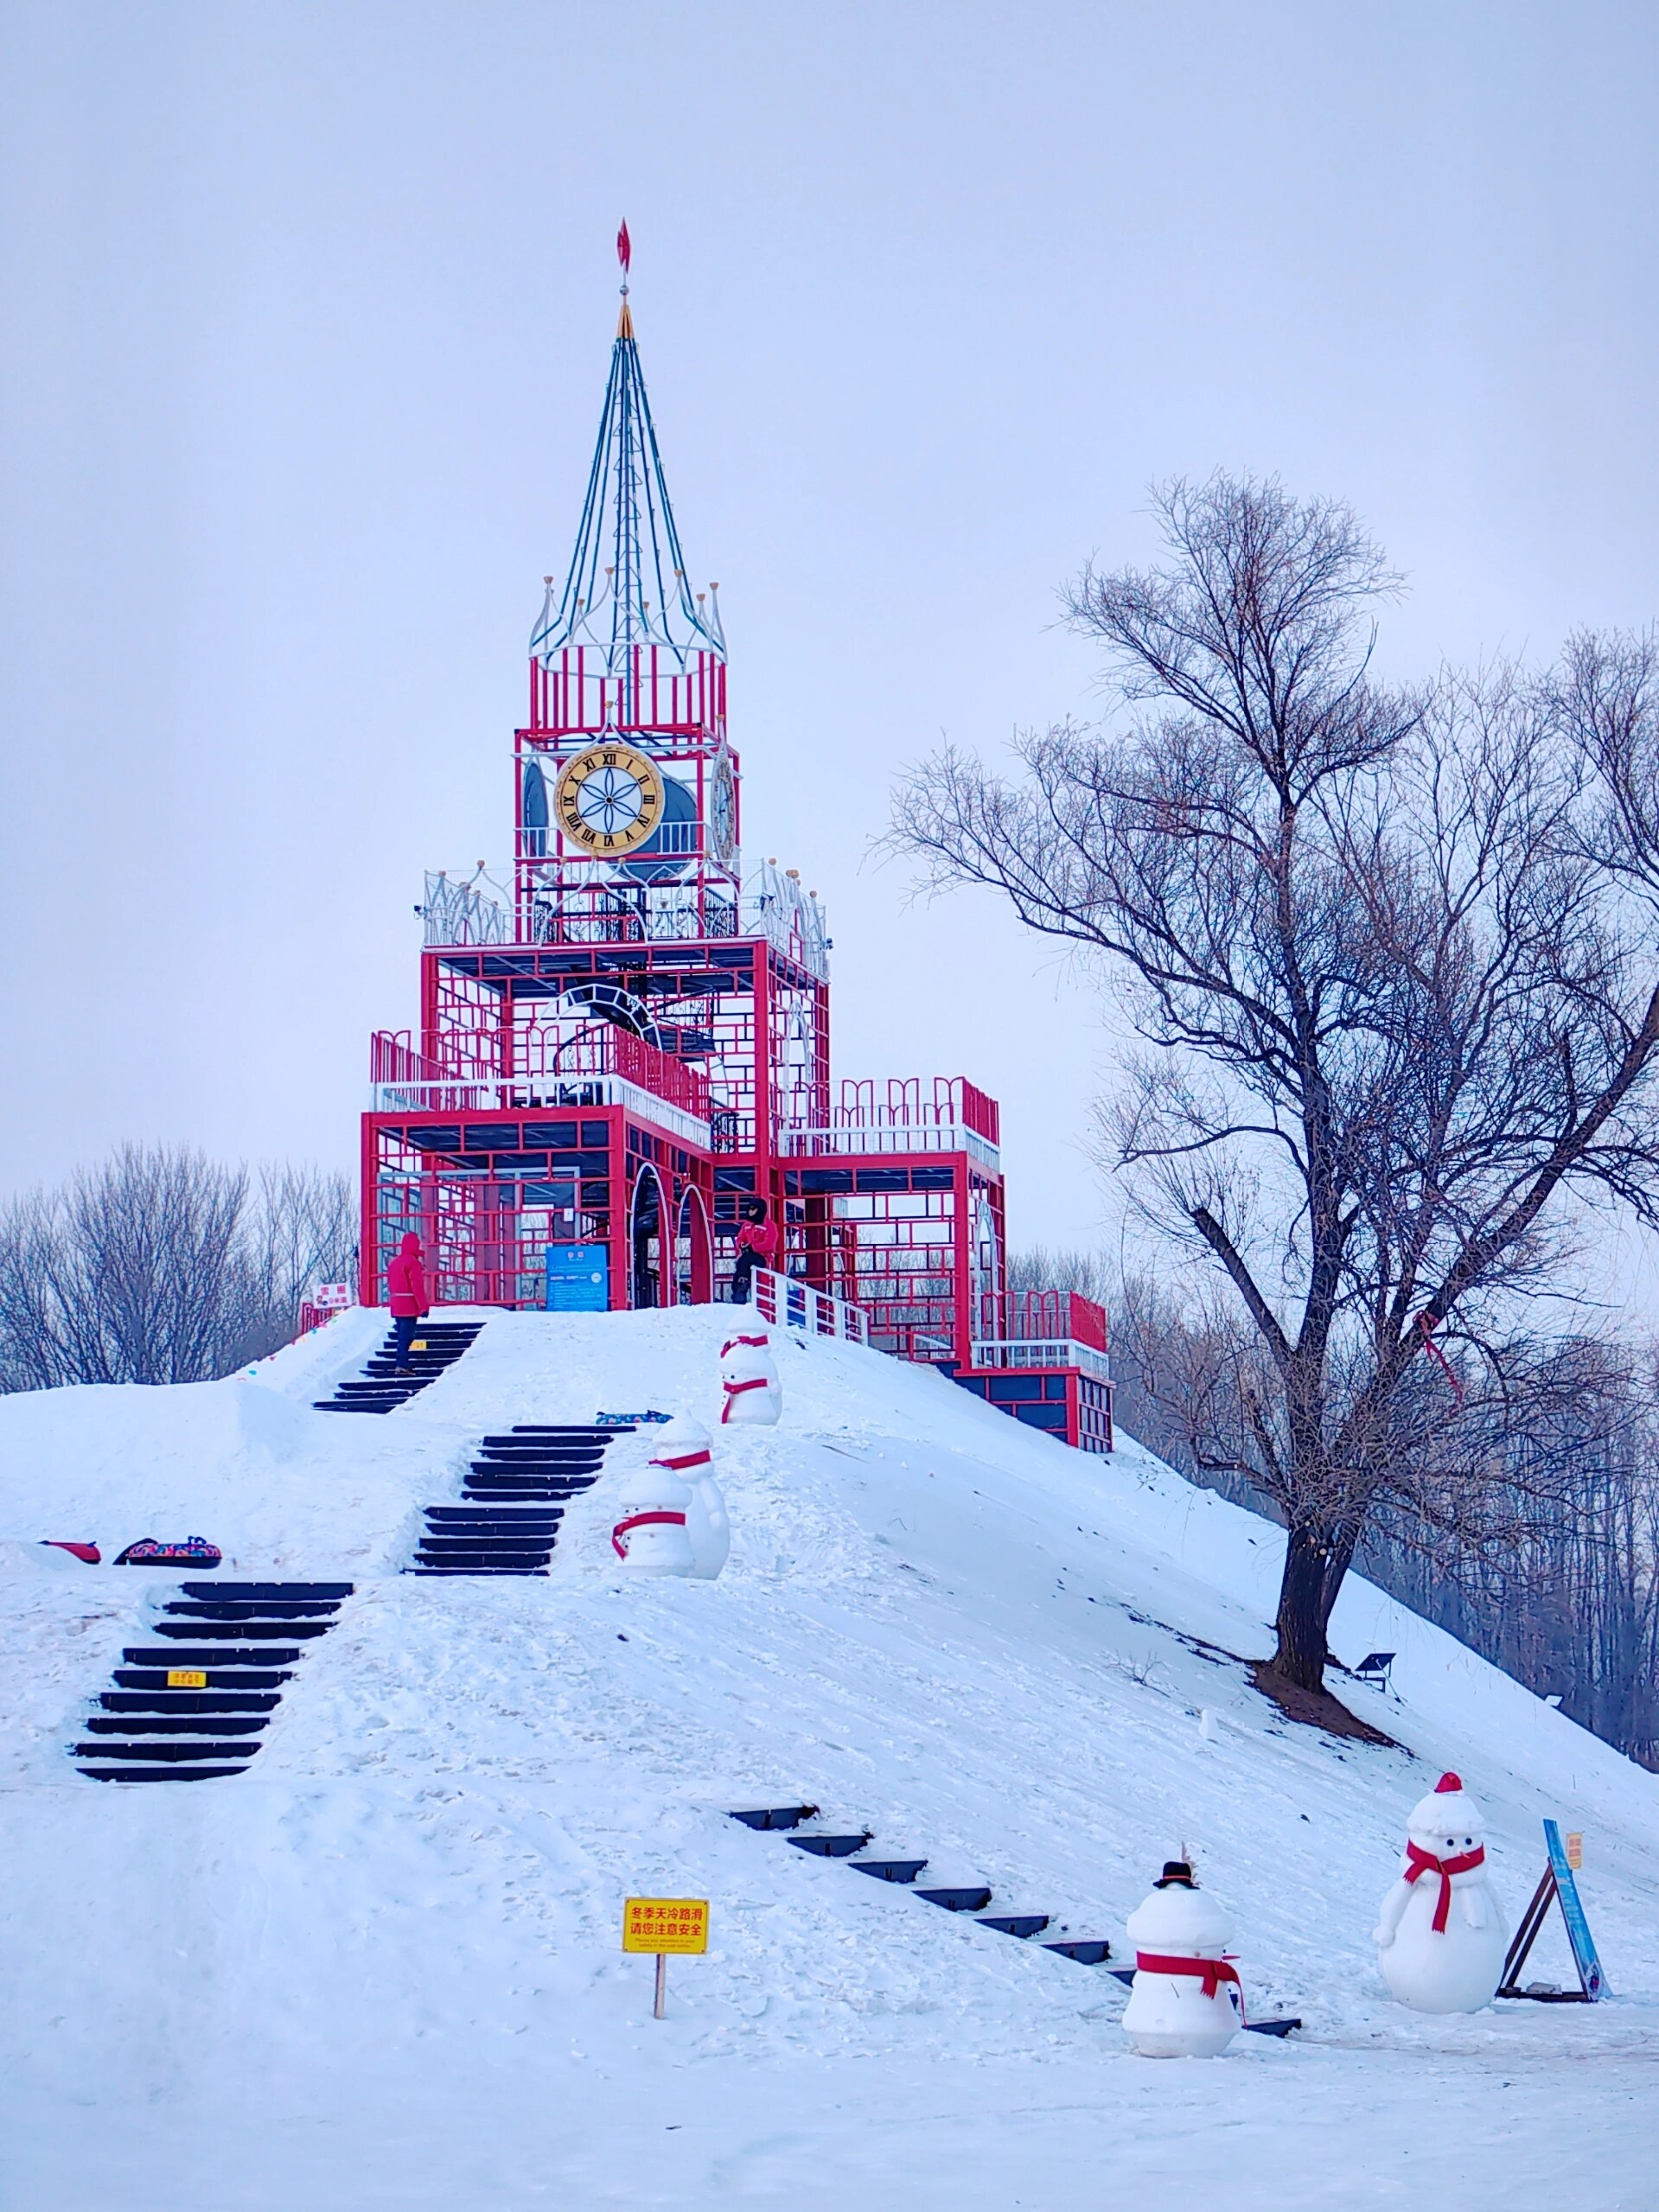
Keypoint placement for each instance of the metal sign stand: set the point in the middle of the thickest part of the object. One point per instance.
(1558, 1886)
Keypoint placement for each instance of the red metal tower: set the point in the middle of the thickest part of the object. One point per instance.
(611, 1063)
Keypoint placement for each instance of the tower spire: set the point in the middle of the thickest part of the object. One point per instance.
(627, 584)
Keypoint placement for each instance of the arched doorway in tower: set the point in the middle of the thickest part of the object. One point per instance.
(645, 1240)
(693, 1252)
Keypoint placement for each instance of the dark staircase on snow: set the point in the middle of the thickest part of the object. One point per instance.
(242, 1639)
(381, 1389)
(513, 1501)
(971, 1898)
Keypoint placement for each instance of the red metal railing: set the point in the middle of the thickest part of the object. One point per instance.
(572, 699)
(1049, 1317)
(393, 1059)
(539, 1055)
(909, 1102)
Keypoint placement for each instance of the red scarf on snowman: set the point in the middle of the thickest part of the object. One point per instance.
(1420, 1862)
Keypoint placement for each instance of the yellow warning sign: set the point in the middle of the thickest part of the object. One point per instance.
(666, 1924)
(1575, 1850)
(185, 1677)
(419, 1345)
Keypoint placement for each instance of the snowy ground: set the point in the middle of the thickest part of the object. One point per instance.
(384, 1969)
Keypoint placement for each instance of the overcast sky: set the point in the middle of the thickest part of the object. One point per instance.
(307, 318)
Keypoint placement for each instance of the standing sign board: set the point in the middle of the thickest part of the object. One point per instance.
(664, 1926)
(1560, 1886)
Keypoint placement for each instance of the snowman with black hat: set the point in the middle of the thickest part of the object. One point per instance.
(1186, 2002)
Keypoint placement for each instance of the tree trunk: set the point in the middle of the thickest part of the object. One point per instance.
(1339, 1556)
(1301, 1655)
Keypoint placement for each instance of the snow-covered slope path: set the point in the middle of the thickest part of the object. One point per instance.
(385, 1967)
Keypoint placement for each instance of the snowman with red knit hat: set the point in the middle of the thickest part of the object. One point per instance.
(1441, 1937)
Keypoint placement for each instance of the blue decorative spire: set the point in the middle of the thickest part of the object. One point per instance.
(627, 584)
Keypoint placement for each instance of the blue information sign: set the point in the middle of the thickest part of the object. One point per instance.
(1577, 1928)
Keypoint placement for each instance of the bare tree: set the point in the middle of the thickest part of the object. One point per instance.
(301, 1230)
(1546, 1560)
(1388, 951)
(161, 1266)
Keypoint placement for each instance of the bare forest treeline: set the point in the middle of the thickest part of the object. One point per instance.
(1557, 1581)
(160, 1266)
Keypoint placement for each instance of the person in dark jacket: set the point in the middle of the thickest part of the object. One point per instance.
(406, 1294)
(757, 1246)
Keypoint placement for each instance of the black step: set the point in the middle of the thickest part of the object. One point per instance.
(776, 1816)
(1023, 1924)
(162, 1773)
(488, 1540)
(888, 1870)
(263, 1655)
(969, 1898)
(516, 1562)
(544, 1447)
(1271, 2027)
(174, 1753)
(547, 1517)
(490, 1555)
(481, 1489)
(337, 1406)
(472, 1572)
(257, 1608)
(140, 1678)
(182, 1702)
(255, 1630)
(831, 1846)
(558, 1470)
(571, 1430)
(293, 1592)
(530, 1478)
(176, 1723)
(1091, 1951)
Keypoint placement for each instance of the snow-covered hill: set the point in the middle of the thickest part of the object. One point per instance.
(384, 1968)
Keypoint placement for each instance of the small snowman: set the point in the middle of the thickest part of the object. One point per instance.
(1441, 1937)
(1186, 2001)
(748, 1382)
(649, 1536)
(683, 1450)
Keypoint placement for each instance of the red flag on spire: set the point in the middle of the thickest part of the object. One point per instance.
(624, 250)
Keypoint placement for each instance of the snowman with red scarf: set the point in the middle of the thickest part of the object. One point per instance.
(1441, 1938)
(1185, 2001)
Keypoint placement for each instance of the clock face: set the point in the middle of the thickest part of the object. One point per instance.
(608, 799)
(722, 811)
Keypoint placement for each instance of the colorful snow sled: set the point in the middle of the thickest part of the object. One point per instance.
(195, 1552)
(89, 1553)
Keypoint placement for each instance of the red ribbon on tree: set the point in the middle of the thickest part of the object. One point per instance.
(1211, 1972)
(1418, 1861)
(1427, 1325)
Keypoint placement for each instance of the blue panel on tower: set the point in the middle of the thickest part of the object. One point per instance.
(579, 1278)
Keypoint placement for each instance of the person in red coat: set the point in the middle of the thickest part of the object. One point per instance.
(405, 1288)
(757, 1246)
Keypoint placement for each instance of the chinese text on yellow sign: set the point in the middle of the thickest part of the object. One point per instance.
(678, 1924)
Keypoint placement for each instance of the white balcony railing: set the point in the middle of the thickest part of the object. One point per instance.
(789, 1304)
(1057, 1351)
(884, 1136)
